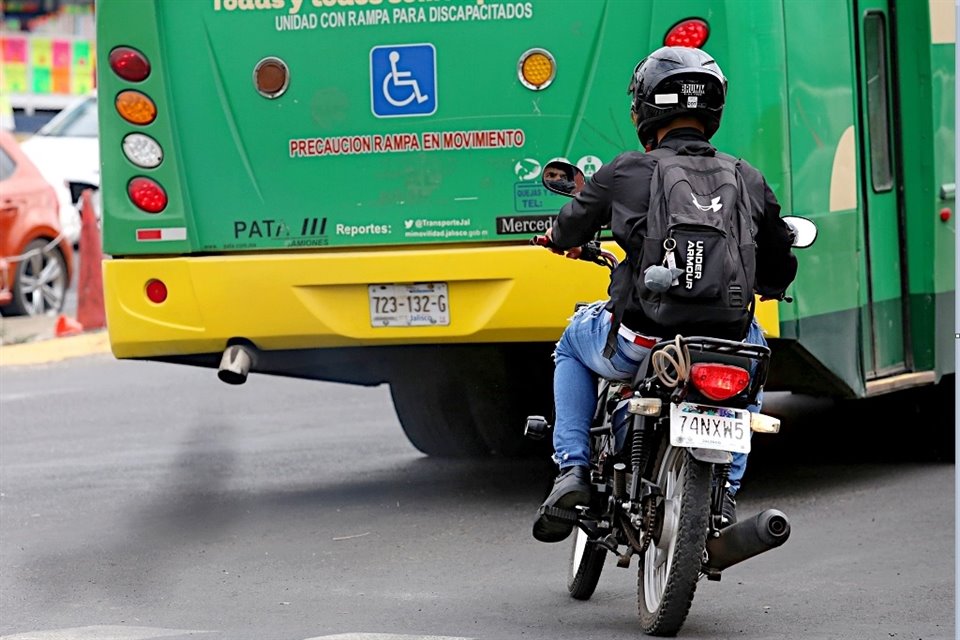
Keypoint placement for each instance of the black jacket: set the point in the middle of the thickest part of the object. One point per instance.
(618, 195)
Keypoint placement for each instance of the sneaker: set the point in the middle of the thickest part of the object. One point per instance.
(571, 488)
(728, 510)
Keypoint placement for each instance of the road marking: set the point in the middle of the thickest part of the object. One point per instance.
(101, 632)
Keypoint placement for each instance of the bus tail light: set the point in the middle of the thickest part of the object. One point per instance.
(143, 151)
(135, 107)
(147, 194)
(537, 68)
(719, 381)
(271, 77)
(156, 291)
(129, 64)
(692, 32)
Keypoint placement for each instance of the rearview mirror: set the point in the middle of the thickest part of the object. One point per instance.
(563, 178)
(805, 230)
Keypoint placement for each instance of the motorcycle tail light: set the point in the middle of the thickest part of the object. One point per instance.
(719, 381)
(692, 32)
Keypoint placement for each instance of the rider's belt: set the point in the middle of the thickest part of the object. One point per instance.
(637, 338)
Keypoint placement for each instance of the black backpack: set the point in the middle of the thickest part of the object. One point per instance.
(699, 222)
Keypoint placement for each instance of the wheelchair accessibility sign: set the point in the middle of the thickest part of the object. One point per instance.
(403, 80)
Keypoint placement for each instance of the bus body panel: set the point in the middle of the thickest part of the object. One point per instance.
(282, 211)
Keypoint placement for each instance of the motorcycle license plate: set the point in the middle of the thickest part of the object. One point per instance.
(423, 304)
(707, 427)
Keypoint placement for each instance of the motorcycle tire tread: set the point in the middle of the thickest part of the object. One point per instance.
(691, 539)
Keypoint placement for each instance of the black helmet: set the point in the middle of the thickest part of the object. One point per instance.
(675, 81)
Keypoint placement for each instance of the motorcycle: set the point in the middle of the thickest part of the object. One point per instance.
(661, 449)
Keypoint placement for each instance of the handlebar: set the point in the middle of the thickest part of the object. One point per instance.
(593, 252)
(590, 252)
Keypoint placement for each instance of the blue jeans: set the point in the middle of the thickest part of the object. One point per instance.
(578, 363)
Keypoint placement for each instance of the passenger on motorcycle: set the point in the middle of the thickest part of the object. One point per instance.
(618, 195)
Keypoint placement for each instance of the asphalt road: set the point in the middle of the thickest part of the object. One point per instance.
(143, 500)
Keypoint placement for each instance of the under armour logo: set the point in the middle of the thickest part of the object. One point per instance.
(714, 204)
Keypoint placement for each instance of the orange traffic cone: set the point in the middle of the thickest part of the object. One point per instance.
(90, 311)
(67, 326)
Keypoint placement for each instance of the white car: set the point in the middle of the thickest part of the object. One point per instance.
(67, 154)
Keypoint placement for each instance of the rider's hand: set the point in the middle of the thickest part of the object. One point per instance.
(552, 247)
(573, 253)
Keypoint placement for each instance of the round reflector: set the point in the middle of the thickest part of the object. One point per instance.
(536, 69)
(156, 291)
(129, 64)
(692, 32)
(135, 107)
(271, 77)
(147, 194)
(142, 150)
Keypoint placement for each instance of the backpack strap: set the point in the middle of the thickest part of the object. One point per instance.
(619, 306)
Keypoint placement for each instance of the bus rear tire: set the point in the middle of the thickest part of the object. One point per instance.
(460, 401)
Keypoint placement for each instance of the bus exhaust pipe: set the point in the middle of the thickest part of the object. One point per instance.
(747, 538)
(235, 364)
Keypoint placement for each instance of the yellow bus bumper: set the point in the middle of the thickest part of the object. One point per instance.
(320, 299)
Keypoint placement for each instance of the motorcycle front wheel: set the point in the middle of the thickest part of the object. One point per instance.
(670, 568)
(586, 563)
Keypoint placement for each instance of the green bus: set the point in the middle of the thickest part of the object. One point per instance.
(344, 189)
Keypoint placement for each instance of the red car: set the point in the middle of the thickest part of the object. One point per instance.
(35, 259)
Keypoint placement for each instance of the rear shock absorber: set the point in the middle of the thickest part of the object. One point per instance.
(721, 474)
(639, 453)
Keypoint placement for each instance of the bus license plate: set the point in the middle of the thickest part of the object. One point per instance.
(708, 427)
(409, 305)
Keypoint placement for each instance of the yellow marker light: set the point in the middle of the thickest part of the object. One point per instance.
(537, 68)
(644, 406)
(135, 107)
(762, 423)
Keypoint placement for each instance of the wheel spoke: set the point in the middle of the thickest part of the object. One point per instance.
(28, 284)
(51, 271)
(53, 297)
(36, 301)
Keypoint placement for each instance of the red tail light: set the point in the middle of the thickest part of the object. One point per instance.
(156, 291)
(692, 32)
(147, 194)
(129, 64)
(719, 381)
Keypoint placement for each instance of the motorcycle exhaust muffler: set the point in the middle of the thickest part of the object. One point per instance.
(747, 538)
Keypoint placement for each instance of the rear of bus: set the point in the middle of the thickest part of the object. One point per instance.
(347, 190)
(344, 190)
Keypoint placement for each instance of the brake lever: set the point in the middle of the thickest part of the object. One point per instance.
(591, 252)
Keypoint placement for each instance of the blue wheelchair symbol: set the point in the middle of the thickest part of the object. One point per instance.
(403, 80)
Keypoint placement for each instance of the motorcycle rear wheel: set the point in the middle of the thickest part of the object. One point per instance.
(586, 564)
(669, 570)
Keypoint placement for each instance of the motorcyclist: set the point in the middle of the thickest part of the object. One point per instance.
(618, 195)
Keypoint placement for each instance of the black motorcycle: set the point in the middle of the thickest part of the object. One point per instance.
(661, 448)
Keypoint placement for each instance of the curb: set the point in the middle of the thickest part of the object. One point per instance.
(54, 350)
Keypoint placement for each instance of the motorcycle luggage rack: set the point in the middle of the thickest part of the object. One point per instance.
(730, 352)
